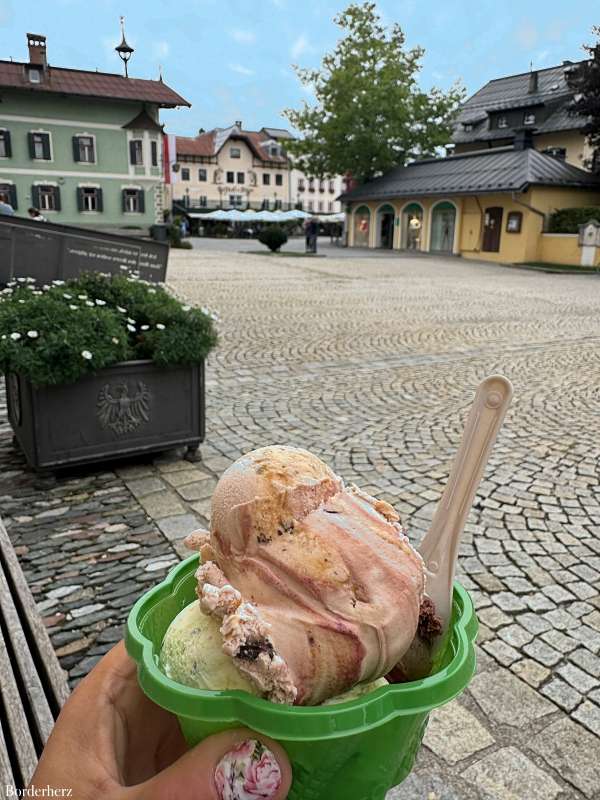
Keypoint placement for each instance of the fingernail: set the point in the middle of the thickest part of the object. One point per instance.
(248, 772)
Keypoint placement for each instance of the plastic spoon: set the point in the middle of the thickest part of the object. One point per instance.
(439, 548)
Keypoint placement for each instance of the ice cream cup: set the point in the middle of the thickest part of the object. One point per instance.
(355, 750)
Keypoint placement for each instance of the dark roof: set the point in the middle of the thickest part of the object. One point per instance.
(143, 122)
(512, 92)
(503, 169)
(209, 143)
(84, 83)
(278, 133)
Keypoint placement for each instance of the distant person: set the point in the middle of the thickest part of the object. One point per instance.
(312, 233)
(36, 215)
(7, 209)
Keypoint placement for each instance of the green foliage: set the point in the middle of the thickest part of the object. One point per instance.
(369, 113)
(568, 220)
(62, 332)
(584, 80)
(273, 236)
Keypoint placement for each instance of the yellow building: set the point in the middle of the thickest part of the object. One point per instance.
(539, 101)
(491, 204)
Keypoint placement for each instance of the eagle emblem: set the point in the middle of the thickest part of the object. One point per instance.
(119, 411)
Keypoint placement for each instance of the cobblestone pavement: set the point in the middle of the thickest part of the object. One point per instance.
(372, 363)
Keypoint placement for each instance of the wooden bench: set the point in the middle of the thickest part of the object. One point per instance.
(33, 687)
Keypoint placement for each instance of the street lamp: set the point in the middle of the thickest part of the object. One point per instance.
(124, 50)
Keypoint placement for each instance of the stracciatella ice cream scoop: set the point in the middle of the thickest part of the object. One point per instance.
(315, 584)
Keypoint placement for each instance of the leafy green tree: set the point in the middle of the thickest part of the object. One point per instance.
(584, 79)
(369, 114)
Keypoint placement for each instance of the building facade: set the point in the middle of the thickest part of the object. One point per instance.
(85, 148)
(491, 204)
(537, 101)
(236, 168)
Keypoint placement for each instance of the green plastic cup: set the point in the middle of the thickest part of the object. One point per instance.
(355, 750)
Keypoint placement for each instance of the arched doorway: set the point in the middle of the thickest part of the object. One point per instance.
(385, 226)
(362, 224)
(412, 227)
(443, 220)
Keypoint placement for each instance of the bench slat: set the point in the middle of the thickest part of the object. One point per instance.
(17, 721)
(55, 673)
(7, 777)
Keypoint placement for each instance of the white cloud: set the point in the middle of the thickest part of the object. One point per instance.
(242, 36)
(240, 69)
(301, 45)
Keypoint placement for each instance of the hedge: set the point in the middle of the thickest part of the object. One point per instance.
(568, 220)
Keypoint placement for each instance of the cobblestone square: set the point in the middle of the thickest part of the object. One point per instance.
(371, 362)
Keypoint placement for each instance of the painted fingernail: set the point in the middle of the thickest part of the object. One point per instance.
(248, 772)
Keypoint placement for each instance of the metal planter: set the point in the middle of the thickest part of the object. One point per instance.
(132, 408)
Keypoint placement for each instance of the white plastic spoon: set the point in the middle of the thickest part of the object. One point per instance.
(439, 547)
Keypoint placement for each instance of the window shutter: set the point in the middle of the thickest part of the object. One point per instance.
(99, 200)
(31, 145)
(76, 155)
(132, 152)
(154, 151)
(7, 145)
(80, 199)
(35, 196)
(141, 201)
(46, 145)
(124, 200)
(57, 197)
(13, 196)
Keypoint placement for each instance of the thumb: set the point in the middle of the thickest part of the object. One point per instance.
(233, 765)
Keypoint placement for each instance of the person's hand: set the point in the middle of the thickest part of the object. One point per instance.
(111, 742)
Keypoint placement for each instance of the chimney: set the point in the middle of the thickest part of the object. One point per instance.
(523, 138)
(533, 82)
(37, 50)
(238, 123)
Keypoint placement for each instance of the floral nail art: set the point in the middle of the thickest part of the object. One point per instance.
(248, 772)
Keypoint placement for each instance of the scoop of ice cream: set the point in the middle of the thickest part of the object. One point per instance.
(315, 584)
(192, 653)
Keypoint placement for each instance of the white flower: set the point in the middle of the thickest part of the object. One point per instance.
(82, 296)
(185, 308)
(45, 287)
(89, 303)
(122, 310)
(145, 327)
(160, 326)
(3, 336)
(21, 301)
(100, 302)
(30, 280)
(22, 280)
(32, 334)
(58, 283)
(72, 307)
(86, 354)
(205, 310)
(131, 328)
(15, 336)
(123, 267)
(130, 321)
(67, 296)
(214, 316)
(151, 291)
(114, 340)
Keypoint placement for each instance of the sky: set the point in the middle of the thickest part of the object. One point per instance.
(232, 59)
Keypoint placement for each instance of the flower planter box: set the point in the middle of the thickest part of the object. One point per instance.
(132, 408)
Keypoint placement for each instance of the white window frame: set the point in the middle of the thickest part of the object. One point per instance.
(237, 150)
(235, 197)
(141, 163)
(53, 186)
(4, 130)
(6, 182)
(132, 189)
(529, 118)
(49, 134)
(502, 122)
(91, 136)
(89, 186)
(205, 178)
(31, 71)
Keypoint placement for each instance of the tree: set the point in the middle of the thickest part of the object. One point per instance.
(584, 79)
(370, 114)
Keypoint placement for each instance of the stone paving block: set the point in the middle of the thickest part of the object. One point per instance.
(542, 653)
(145, 485)
(572, 752)
(530, 671)
(453, 733)
(425, 786)
(560, 642)
(188, 475)
(179, 526)
(533, 622)
(203, 508)
(508, 602)
(562, 694)
(516, 636)
(506, 699)
(161, 504)
(198, 490)
(502, 652)
(579, 679)
(587, 661)
(493, 617)
(508, 774)
(558, 593)
(593, 620)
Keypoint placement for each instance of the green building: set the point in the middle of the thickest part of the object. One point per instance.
(86, 148)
